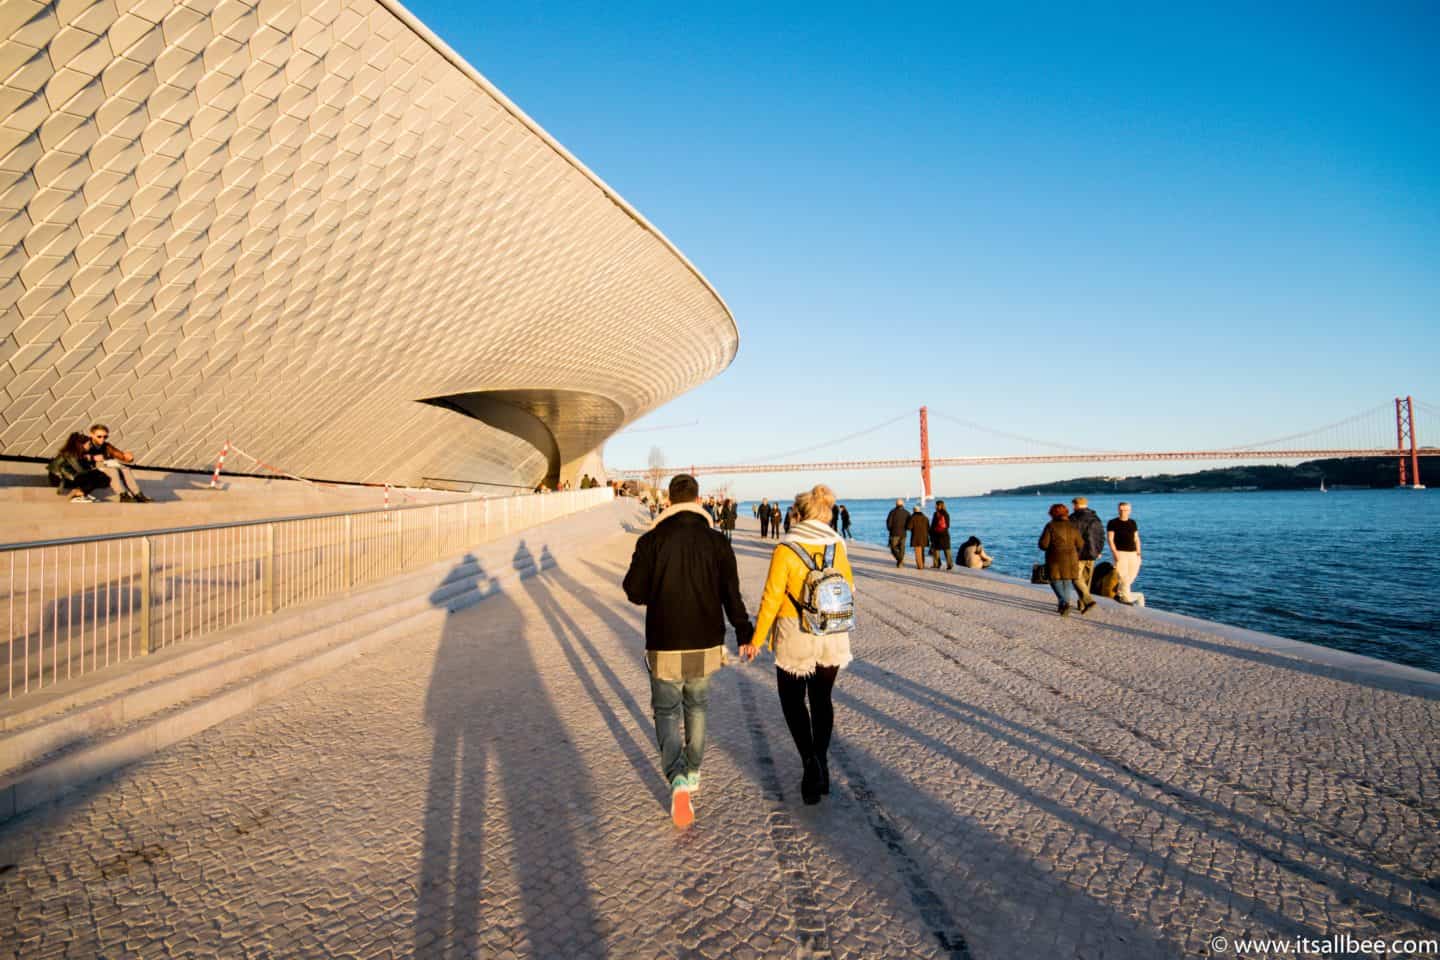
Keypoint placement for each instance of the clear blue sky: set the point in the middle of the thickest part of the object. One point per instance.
(1105, 226)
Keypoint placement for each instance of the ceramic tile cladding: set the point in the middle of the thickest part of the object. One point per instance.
(287, 223)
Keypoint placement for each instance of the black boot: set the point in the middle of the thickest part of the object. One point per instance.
(810, 782)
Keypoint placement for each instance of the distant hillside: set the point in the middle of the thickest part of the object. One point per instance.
(1376, 472)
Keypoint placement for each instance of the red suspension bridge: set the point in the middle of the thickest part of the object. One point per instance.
(1366, 434)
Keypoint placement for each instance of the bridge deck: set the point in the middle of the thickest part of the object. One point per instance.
(1008, 784)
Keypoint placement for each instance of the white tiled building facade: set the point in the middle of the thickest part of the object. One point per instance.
(292, 222)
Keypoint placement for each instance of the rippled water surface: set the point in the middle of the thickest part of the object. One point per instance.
(1357, 570)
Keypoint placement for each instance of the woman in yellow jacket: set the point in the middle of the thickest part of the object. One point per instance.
(806, 664)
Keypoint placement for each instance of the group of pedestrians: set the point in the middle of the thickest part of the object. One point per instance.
(930, 534)
(770, 519)
(1073, 542)
(684, 573)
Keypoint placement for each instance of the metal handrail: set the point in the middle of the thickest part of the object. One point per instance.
(160, 531)
(70, 606)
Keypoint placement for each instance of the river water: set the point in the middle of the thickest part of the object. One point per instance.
(1356, 570)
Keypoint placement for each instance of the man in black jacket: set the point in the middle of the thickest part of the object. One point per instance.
(684, 574)
(1092, 546)
(897, 521)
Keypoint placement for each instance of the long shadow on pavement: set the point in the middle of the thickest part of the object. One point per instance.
(569, 635)
(1157, 859)
(926, 888)
(1204, 813)
(486, 705)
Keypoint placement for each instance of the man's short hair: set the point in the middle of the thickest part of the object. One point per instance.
(99, 426)
(684, 488)
(1081, 502)
(1123, 503)
(899, 501)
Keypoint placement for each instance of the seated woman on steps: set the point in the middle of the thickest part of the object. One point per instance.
(73, 472)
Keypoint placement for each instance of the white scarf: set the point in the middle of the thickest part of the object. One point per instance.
(675, 509)
(812, 531)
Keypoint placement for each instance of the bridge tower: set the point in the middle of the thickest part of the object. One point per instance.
(925, 450)
(1405, 434)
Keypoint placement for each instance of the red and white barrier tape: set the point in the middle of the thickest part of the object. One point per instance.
(270, 467)
(215, 477)
(231, 448)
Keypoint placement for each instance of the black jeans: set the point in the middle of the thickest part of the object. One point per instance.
(810, 728)
(897, 549)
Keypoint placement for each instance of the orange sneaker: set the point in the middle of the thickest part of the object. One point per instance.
(682, 812)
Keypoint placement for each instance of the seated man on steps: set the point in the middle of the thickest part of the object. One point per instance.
(114, 463)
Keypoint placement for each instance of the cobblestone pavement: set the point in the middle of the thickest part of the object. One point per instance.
(1007, 785)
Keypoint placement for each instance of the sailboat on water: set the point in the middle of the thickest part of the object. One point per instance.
(1322, 486)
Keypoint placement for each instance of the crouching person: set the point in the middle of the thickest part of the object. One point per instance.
(72, 471)
(683, 572)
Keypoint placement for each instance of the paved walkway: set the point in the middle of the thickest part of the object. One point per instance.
(1007, 785)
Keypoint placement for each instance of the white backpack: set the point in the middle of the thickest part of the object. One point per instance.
(826, 603)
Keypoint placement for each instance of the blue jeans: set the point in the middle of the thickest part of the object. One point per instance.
(1064, 591)
(680, 754)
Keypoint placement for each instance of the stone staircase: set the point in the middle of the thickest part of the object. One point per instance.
(30, 509)
(76, 731)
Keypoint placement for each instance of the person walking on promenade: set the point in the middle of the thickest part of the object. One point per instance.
(789, 518)
(919, 526)
(940, 536)
(1092, 548)
(683, 572)
(1061, 543)
(897, 521)
(806, 663)
(775, 521)
(114, 463)
(845, 523)
(763, 512)
(728, 515)
(973, 555)
(1124, 537)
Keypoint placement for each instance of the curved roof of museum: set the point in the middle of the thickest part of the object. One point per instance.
(316, 231)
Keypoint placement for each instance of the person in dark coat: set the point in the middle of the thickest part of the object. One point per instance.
(763, 512)
(683, 572)
(789, 518)
(73, 471)
(1061, 542)
(775, 521)
(897, 521)
(845, 523)
(919, 535)
(1092, 548)
(940, 536)
(728, 515)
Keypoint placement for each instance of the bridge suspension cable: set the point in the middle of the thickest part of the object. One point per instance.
(837, 440)
(971, 424)
(1379, 419)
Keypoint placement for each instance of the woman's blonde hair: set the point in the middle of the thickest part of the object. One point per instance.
(815, 503)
